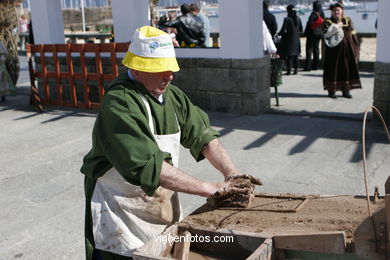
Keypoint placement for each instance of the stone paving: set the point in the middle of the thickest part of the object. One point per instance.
(310, 144)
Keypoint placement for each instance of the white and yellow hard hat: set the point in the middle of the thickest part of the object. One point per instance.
(151, 50)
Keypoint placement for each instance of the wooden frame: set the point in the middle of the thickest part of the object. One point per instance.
(68, 51)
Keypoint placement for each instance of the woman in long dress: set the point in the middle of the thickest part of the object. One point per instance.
(341, 71)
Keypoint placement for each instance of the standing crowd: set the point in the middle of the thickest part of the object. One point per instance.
(341, 52)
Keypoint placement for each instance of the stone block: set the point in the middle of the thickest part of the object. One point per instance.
(250, 63)
(214, 63)
(225, 102)
(227, 80)
(264, 99)
(186, 78)
(264, 76)
(199, 98)
(382, 87)
(253, 104)
(383, 108)
(382, 68)
(187, 62)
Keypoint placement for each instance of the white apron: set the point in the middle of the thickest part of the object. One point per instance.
(124, 217)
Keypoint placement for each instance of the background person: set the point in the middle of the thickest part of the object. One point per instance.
(131, 175)
(290, 46)
(341, 72)
(204, 20)
(190, 31)
(314, 34)
(269, 19)
(23, 30)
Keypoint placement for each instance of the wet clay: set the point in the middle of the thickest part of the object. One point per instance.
(239, 193)
(336, 213)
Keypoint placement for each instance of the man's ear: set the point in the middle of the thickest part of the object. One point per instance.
(135, 73)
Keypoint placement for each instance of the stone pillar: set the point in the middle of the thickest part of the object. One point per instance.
(240, 24)
(127, 16)
(47, 22)
(382, 65)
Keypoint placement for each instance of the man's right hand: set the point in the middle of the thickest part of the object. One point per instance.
(238, 191)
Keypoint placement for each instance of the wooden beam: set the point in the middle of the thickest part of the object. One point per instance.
(181, 249)
(323, 242)
(263, 252)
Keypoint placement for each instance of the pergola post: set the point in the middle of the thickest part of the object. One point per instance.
(382, 65)
(240, 24)
(47, 22)
(128, 15)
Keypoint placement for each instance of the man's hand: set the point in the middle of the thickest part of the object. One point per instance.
(238, 192)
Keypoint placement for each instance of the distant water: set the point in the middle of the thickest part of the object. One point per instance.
(362, 25)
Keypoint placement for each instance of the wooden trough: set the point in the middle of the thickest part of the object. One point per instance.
(304, 227)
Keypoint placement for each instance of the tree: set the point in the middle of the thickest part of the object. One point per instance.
(153, 11)
(8, 22)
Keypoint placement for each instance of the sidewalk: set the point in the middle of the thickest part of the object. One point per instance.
(310, 144)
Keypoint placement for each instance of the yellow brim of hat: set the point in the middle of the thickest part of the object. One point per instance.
(146, 64)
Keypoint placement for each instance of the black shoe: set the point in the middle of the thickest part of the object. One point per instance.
(347, 95)
(287, 73)
(332, 95)
(314, 68)
(295, 72)
(306, 69)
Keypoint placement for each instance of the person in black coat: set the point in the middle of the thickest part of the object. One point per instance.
(290, 46)
(190, 32)
(314, 34)
(269, 19)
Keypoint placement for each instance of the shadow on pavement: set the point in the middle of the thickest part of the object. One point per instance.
(310, 128)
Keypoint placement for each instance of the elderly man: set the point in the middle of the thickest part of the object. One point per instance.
(131, 174)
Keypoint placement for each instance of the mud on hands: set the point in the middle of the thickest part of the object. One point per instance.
(238, 192)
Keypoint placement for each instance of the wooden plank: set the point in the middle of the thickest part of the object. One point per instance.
(387, 212)
(263, 252)
(122, 46)
(84, 74)
(34, 98)
(57, 77)
(181, 249)
(323, 242)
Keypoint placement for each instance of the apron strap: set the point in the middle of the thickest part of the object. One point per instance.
(150, 118)
(151, 125)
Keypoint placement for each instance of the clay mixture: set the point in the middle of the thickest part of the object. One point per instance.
(335, 213)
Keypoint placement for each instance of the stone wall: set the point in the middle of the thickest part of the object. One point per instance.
(382, 89)
(223, 85)
(226, 85)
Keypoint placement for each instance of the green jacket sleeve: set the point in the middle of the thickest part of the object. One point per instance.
(127, 141)
(195, 127)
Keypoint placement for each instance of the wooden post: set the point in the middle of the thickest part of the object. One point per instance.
(263, 252)
(181, 249)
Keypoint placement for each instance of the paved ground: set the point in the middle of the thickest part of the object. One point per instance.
(310, 144)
